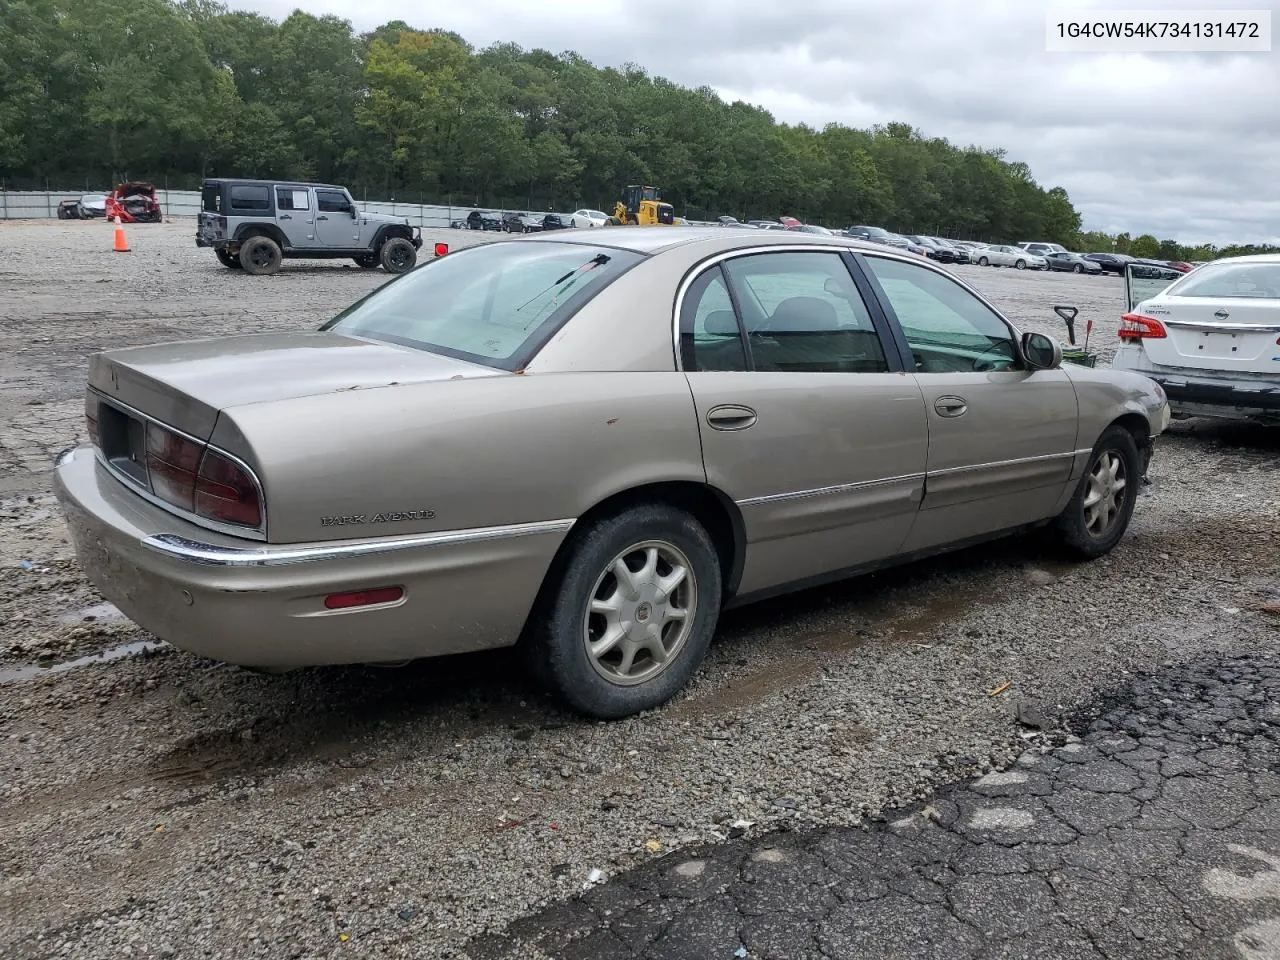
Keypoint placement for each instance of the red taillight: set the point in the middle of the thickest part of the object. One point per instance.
(362, 598)
(200, 481)
(225, 492)
(1134, 326)
(172, 462)
(441, 249)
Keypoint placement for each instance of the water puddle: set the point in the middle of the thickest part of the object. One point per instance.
(29, 671)
(99, 611)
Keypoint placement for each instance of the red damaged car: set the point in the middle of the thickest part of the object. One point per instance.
(134, 203)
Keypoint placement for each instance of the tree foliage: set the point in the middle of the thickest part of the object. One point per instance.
(96, 90)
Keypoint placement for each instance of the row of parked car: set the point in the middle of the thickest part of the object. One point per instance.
(1028, 255)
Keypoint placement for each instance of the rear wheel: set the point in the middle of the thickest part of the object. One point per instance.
(1077, 269)
(260, 256)
(227, 260)
(367, 262)
(1021, 265)
(398, 255)
(1099, 511)
(984, 262)
(632, 614)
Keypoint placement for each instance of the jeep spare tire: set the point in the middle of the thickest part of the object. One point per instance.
(260, 256)
(398, 255)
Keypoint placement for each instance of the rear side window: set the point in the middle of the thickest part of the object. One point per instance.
(293, 198)
(246, 197)
(803, 314)
(709, 334)
(495, 304)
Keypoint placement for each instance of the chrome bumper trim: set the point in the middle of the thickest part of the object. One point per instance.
(193, 551)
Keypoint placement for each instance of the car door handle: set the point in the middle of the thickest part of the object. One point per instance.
(322, 218)
(950, 406)
(730, 416)
(286, 216)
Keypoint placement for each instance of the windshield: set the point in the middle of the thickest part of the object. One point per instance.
(495, 304)
(1230, 281)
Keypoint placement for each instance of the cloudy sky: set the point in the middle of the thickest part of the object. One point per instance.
(1180, 145)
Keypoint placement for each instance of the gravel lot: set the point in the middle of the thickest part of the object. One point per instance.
(162, 805)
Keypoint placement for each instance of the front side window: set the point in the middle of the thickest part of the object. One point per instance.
(1230, 281)
(803, 313)
(495, 304)
(947, 328)
(332, 201)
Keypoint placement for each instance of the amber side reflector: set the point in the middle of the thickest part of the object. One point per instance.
(441, 249)
(362, 598)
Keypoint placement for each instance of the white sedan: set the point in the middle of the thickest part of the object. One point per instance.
(1210, 338)
(1003, 255)
(589, 218)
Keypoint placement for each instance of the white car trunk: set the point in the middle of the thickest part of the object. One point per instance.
(1242, 336)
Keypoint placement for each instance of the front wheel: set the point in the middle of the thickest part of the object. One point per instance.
(632, 614)
(984, 262)
(1099, 511)
(1077, 269)
(1021, 265)
(398, 255)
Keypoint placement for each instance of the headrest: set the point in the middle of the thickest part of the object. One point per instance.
(804, 313)
(722, 323)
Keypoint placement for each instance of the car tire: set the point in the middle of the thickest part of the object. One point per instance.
(614, 222)
(1020, 265)
(368, 261)
(227, 260)
(563, 622)
(1077, 269)
(984, 262)
(1114, 456)
(260, 256)
(398, 255)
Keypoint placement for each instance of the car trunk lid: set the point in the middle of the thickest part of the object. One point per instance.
(1242, 336)
(186, 384)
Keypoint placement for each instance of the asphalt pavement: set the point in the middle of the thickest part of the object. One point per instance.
(1154, 834)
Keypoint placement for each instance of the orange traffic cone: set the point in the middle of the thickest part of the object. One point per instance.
(122, 245)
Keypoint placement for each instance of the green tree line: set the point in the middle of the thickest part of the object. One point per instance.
(100, 90)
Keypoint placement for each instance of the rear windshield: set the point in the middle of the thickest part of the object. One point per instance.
(211, 198)
(495, 304)
(1231, 281)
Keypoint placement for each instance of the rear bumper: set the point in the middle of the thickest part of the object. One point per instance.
(263, 605)
(1196, 394)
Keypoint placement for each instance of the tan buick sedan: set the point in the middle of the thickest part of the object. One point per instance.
(586, 446)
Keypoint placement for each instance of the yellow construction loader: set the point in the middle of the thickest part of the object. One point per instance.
(642, 208)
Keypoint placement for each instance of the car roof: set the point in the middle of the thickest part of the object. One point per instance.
(273, 183)
(655, 239)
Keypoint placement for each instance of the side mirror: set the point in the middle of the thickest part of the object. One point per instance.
(1041, 352)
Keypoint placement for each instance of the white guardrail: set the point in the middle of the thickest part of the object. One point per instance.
(43, 205)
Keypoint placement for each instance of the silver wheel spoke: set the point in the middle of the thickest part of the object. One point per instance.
(671, 581)
(628, 582)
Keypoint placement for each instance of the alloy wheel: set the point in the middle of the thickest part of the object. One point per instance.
(1105, 495)
(641, 612)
